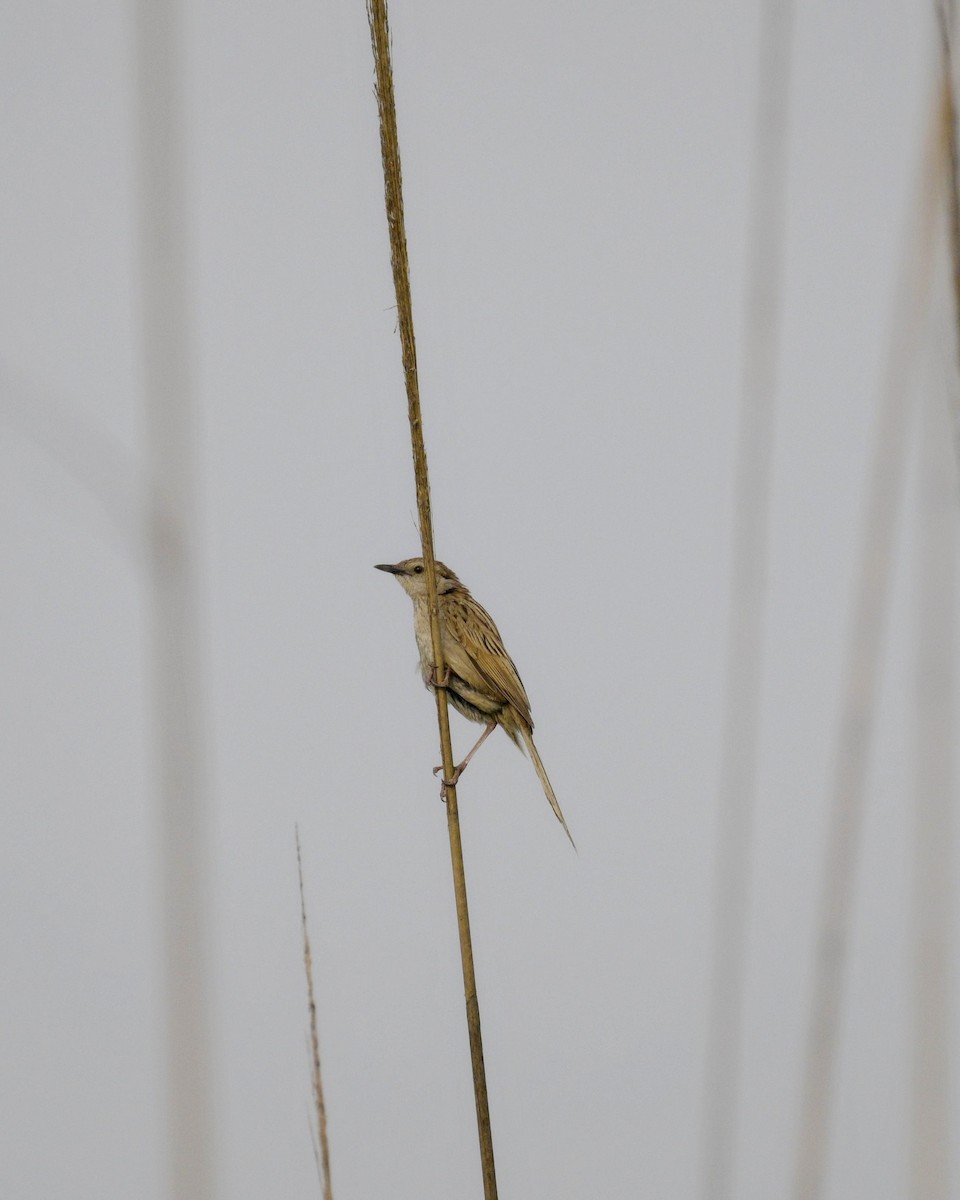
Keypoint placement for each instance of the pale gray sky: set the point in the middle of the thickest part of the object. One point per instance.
(576, 188)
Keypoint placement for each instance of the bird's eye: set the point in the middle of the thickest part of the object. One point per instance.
(418, 570)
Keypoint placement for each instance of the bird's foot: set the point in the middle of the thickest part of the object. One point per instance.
(448, 783)
(457, 772)
(435, 681)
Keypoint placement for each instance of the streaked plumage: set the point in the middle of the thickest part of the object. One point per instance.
(483, 683)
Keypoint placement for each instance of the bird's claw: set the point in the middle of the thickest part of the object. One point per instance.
(447, 783)
(457, 772)
(438, 682)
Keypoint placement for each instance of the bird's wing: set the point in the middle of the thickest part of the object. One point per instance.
(476, 649)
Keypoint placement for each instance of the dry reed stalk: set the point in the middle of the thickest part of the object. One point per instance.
(316, 1076)
(737, 783)
(393, 197)
(855, 731)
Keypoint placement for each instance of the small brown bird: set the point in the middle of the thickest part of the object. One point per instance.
(482, 681)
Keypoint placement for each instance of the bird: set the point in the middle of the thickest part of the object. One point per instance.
(480, 679)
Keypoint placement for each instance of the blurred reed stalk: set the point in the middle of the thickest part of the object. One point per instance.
(173, 597)
(947, 24)
(393, 197)
(737, 783)
(935, 734)
(323, 1160)
(858, 704)
(936, 695)
(83, 450)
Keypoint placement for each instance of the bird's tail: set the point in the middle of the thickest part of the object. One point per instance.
(547, 786)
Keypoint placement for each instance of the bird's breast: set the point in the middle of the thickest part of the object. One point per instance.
(421, 629)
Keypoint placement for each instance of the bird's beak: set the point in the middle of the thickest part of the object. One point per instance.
(391, 567)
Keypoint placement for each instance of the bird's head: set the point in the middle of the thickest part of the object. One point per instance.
(412, 577)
